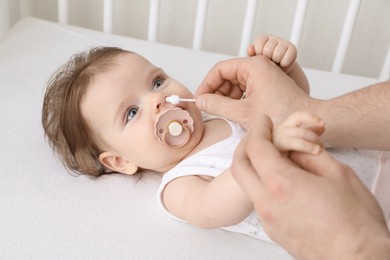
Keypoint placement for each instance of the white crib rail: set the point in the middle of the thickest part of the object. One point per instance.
(63, 11)
(349, 24)
(153, 20)
(107, 16)
(199, 24)
(385, 73)
(299, 19)
(4, 17)
(249, 21)
(201, 15)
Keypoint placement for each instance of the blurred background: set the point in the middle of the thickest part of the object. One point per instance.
(317, 47)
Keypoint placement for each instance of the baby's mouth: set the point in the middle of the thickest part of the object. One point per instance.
(174, 127)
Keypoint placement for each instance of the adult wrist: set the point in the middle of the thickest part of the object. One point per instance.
(365, 242)
(372, 242)
(378, 249)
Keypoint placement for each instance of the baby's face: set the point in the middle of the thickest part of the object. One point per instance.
(121, 107)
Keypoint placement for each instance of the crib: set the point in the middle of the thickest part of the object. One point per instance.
(46, 213)
(301, 22)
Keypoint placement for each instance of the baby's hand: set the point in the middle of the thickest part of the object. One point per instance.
(300, 132)
(279, 50)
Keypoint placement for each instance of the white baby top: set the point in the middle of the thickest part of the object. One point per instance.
(216, 158)
(211, 162)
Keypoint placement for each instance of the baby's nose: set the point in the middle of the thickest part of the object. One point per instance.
(158, 102)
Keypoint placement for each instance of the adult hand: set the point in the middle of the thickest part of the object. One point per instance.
(312, 205)
(268, 90)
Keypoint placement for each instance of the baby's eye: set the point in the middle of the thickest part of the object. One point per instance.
(157, 84)
(130, 114)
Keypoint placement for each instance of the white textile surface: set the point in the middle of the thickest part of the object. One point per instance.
(45, 213)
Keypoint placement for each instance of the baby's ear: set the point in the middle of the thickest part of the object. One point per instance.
(116, 163)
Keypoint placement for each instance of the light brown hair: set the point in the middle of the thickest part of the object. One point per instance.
(65, 128)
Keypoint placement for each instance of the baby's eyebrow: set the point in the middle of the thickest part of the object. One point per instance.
(156, 70)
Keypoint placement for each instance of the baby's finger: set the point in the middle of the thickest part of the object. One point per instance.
(269, 48)
(303, 119)
(259, 44)
(251, 50)
(289, 143)
(304, 134)
(279, 53)
(290, 55)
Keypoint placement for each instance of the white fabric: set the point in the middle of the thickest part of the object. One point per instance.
(212, 161)
(45, 213)
(365, 163)
(373, 169)
(382, 185)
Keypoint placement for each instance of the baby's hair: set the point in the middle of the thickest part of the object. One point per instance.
(65, 128)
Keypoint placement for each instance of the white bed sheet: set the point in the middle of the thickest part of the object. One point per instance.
(45, 213)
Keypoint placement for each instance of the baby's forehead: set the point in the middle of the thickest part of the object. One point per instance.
(132, 57)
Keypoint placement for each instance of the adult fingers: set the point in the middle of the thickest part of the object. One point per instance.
(233, 70)
(232, 109)
(266, 159)
(229, 90)
(244, 173)
(322, 164)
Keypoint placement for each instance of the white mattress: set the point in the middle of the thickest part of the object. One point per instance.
(45, 213)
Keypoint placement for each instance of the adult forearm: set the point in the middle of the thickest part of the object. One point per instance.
(359, 119)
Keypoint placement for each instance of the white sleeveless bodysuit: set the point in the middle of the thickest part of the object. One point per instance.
(216, 158)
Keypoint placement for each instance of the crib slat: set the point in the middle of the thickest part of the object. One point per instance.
(107, 16)
(385, 73)
(250, 15)
(299, 20)
(153, 20)
(199, 24)
(346, 34)
(63, 11)
(4, 18)
(25, 8)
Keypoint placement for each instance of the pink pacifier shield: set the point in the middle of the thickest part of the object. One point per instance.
(174, 127)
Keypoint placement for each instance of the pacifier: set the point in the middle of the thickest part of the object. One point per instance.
(174, 127)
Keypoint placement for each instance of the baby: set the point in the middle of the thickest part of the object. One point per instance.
(106, 111)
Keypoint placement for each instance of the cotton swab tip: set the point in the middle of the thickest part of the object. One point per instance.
(175, 99)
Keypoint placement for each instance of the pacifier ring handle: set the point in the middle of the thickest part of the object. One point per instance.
(187, 138)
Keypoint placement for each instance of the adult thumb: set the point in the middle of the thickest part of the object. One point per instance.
(323, 164)
(220, 106)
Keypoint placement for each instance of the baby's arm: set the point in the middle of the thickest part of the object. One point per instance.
(283, 53)
(214, 204)
(300, 132)
(221, 202)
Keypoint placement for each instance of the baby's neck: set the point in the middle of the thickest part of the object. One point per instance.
(215, 130)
